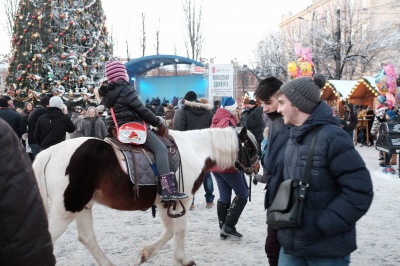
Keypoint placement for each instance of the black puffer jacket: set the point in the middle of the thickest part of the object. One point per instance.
(255, 123)
(24, 237)
(37, 112)
(13, 119)
(52, 127)
(278, 136)
(340, 190)
(193, 115)
(126, 104)
(351, 117)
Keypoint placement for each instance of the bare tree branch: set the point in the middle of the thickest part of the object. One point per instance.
(193, 26)
(143, 35)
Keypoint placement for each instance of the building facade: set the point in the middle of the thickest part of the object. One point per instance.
(348, 38)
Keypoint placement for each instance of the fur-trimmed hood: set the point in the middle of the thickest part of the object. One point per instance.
(193, 115)
(206, 106)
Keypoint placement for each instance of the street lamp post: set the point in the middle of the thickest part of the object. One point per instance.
(234, 62)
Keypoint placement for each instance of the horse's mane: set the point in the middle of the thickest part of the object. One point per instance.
(225, 146)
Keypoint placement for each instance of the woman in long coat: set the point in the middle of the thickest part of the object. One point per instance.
(92, 125)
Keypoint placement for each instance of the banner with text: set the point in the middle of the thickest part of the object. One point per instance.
(220, 81)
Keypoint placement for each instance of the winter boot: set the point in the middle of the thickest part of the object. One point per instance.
(232, 217)
(222, 211)
(390, 170)
(169, 190)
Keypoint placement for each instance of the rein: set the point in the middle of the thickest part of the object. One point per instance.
(239, 164)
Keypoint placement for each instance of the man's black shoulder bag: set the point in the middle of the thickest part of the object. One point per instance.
(286, 209)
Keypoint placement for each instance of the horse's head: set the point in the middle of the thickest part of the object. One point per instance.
(248, 151)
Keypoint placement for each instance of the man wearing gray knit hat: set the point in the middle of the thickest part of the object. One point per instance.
(304, 93)
(339, 189)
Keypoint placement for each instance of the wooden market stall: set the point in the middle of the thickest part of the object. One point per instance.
(335, 93)
(364, 92)
(332, 97)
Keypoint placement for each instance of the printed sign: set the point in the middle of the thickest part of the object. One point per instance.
(220, 80)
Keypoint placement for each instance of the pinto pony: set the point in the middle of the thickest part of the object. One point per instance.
(76, 173)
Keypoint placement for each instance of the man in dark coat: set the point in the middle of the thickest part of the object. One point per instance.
(350, 118)
(10, 102)
(217, 104)
(53, 125)
(340, 187)
(254, 121)
(11, 117)
(24, 235)
(196, 115)
(37, 112)
(272, 161)
(193, 115)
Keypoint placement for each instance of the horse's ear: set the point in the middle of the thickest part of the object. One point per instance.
(243, 133)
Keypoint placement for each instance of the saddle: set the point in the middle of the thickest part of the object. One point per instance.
(138, 161)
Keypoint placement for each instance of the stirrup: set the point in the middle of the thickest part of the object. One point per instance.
(176, 196)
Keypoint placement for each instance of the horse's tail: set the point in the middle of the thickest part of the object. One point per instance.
(39, 168)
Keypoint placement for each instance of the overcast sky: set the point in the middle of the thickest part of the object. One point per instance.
(231, 29)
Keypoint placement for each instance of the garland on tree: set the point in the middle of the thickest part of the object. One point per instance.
(59, 48)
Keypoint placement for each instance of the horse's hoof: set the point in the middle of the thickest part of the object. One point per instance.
(190, 263)
(144, 256)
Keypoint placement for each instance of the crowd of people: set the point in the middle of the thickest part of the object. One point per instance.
(283, 117)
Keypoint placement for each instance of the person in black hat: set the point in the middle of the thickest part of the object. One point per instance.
(11, 117)
(340, 189)
(10, 102)
(217, 104)
(252, 118)
(195, 115)
(38, 111)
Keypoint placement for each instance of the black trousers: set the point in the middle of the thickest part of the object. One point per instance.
(272, 246)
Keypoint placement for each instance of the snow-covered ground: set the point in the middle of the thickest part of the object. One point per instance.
(121, 234)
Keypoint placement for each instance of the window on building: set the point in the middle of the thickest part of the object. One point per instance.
(246, 81)
(363, 3)
(352, 34)
(364, 31)
(328, 16)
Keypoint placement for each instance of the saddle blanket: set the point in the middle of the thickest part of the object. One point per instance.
(137, 161)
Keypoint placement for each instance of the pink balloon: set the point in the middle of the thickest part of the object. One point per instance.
(390, 100)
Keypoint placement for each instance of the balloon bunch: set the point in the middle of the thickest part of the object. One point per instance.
(303, 66)
(386, 84)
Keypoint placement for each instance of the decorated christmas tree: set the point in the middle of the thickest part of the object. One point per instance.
(59, 48)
